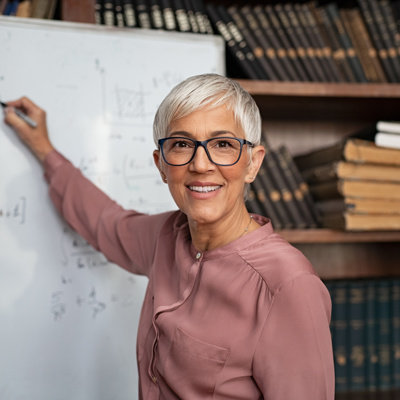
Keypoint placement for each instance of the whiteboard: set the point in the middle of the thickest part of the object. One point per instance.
(68, 318)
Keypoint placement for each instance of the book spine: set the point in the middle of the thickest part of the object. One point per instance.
(388, 15)
(143, 14)
(305, 43)
(232, 46)
(98, 12)
(308, 67)
(286, 44)
(202, 17)
(395, 328)
(274, 69)
(339, 336)
(384, 334)
(108, 13)
(267, 207)
(357, 344)
(371, 337)
(274, 196)
(304, 211)
(252, 204)
(194, 27)
(181, 16)
(130, 14)
(156, 15)
(345, 41)
(242, 43)
(119, 14)
(376, 40)
(253, 41)
(168, 15)
(39, 8)
(286, 194)
(287, 70)
(388, 44)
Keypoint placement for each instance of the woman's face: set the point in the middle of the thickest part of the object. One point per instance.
(206, 192)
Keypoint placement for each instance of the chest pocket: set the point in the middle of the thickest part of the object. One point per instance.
(192, 367)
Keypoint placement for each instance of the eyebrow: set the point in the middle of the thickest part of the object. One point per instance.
(212, 134)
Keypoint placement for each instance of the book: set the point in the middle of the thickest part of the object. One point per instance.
(351, 170)
(130, 14)
(156, 16)
(119, 14)
(278, 177)
(98, 12)
(304, 41)
(363, 46)
(143, 14)
(181, 16)
(252, 203)
(40, 8)
(3, 4)
(24, 9)
(361, 222)
(188, 5)
(287, 69)
(377, 41)
(371, 337)
(345, 41)
(389, 140)
(356, 188)
(169, 15)
(285, 42)
(388, 126)
(245, 67)
(201, 15)
(282, 157)
(108, 13)
(256, 43)
(395, 329)
(242, 43)
(355, 150)
(322, 52)
(358, 205)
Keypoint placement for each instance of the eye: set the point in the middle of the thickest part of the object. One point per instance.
(179, 143)
(225, 144)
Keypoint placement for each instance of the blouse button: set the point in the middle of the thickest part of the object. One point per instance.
(198, 255)
(154, 378)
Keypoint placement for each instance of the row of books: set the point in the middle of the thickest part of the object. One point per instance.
(355, 184)
(280, 192)
(44, 9)
(365, 328)
(170, 15)
(310, 41)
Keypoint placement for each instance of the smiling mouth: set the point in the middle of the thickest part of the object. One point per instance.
(203, 189)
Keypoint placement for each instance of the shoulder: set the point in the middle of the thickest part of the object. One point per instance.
(275, 260)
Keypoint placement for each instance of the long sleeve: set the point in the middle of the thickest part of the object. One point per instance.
(293, 358)
(125, 237)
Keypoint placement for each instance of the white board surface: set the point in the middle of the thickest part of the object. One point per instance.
(68, 318)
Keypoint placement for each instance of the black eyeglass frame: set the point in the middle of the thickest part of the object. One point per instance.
(203, 144)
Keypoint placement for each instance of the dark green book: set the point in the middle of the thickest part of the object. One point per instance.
(384, 334)
(340, 337)
(371, 336)
(356, 343)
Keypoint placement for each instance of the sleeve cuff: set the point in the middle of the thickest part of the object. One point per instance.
(52, 162)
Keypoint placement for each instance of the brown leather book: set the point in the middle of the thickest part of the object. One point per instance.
(363, 46)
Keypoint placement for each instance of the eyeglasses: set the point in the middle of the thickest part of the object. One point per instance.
(223, 151)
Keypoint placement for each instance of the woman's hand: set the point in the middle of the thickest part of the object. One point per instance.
(37, 138)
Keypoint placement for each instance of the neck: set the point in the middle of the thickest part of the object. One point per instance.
(219, 233)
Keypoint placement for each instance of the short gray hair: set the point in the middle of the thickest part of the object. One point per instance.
(211, 90)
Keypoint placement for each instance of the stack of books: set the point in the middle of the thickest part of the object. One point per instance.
(388, 134)
(280, 193)
(365, 327)
(355, 185)
(310, 41)
(170, 15)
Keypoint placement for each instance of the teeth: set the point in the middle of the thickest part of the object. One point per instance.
(203, 189)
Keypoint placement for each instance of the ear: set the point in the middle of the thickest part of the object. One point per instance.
(257, 157)
(158, 161)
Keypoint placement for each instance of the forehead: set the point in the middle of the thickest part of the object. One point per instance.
(207, 120)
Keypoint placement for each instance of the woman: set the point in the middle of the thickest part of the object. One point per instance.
(232, 311)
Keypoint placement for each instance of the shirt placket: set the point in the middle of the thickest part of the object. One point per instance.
(193, 274)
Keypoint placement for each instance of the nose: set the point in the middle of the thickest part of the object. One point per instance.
(201, 162)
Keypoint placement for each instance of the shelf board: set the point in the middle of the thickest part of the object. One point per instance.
(321, 89)
(299, 236)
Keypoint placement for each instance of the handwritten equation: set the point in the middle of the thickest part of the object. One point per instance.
(15, 212)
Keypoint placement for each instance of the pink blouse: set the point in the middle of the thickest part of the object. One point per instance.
(249, 320)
